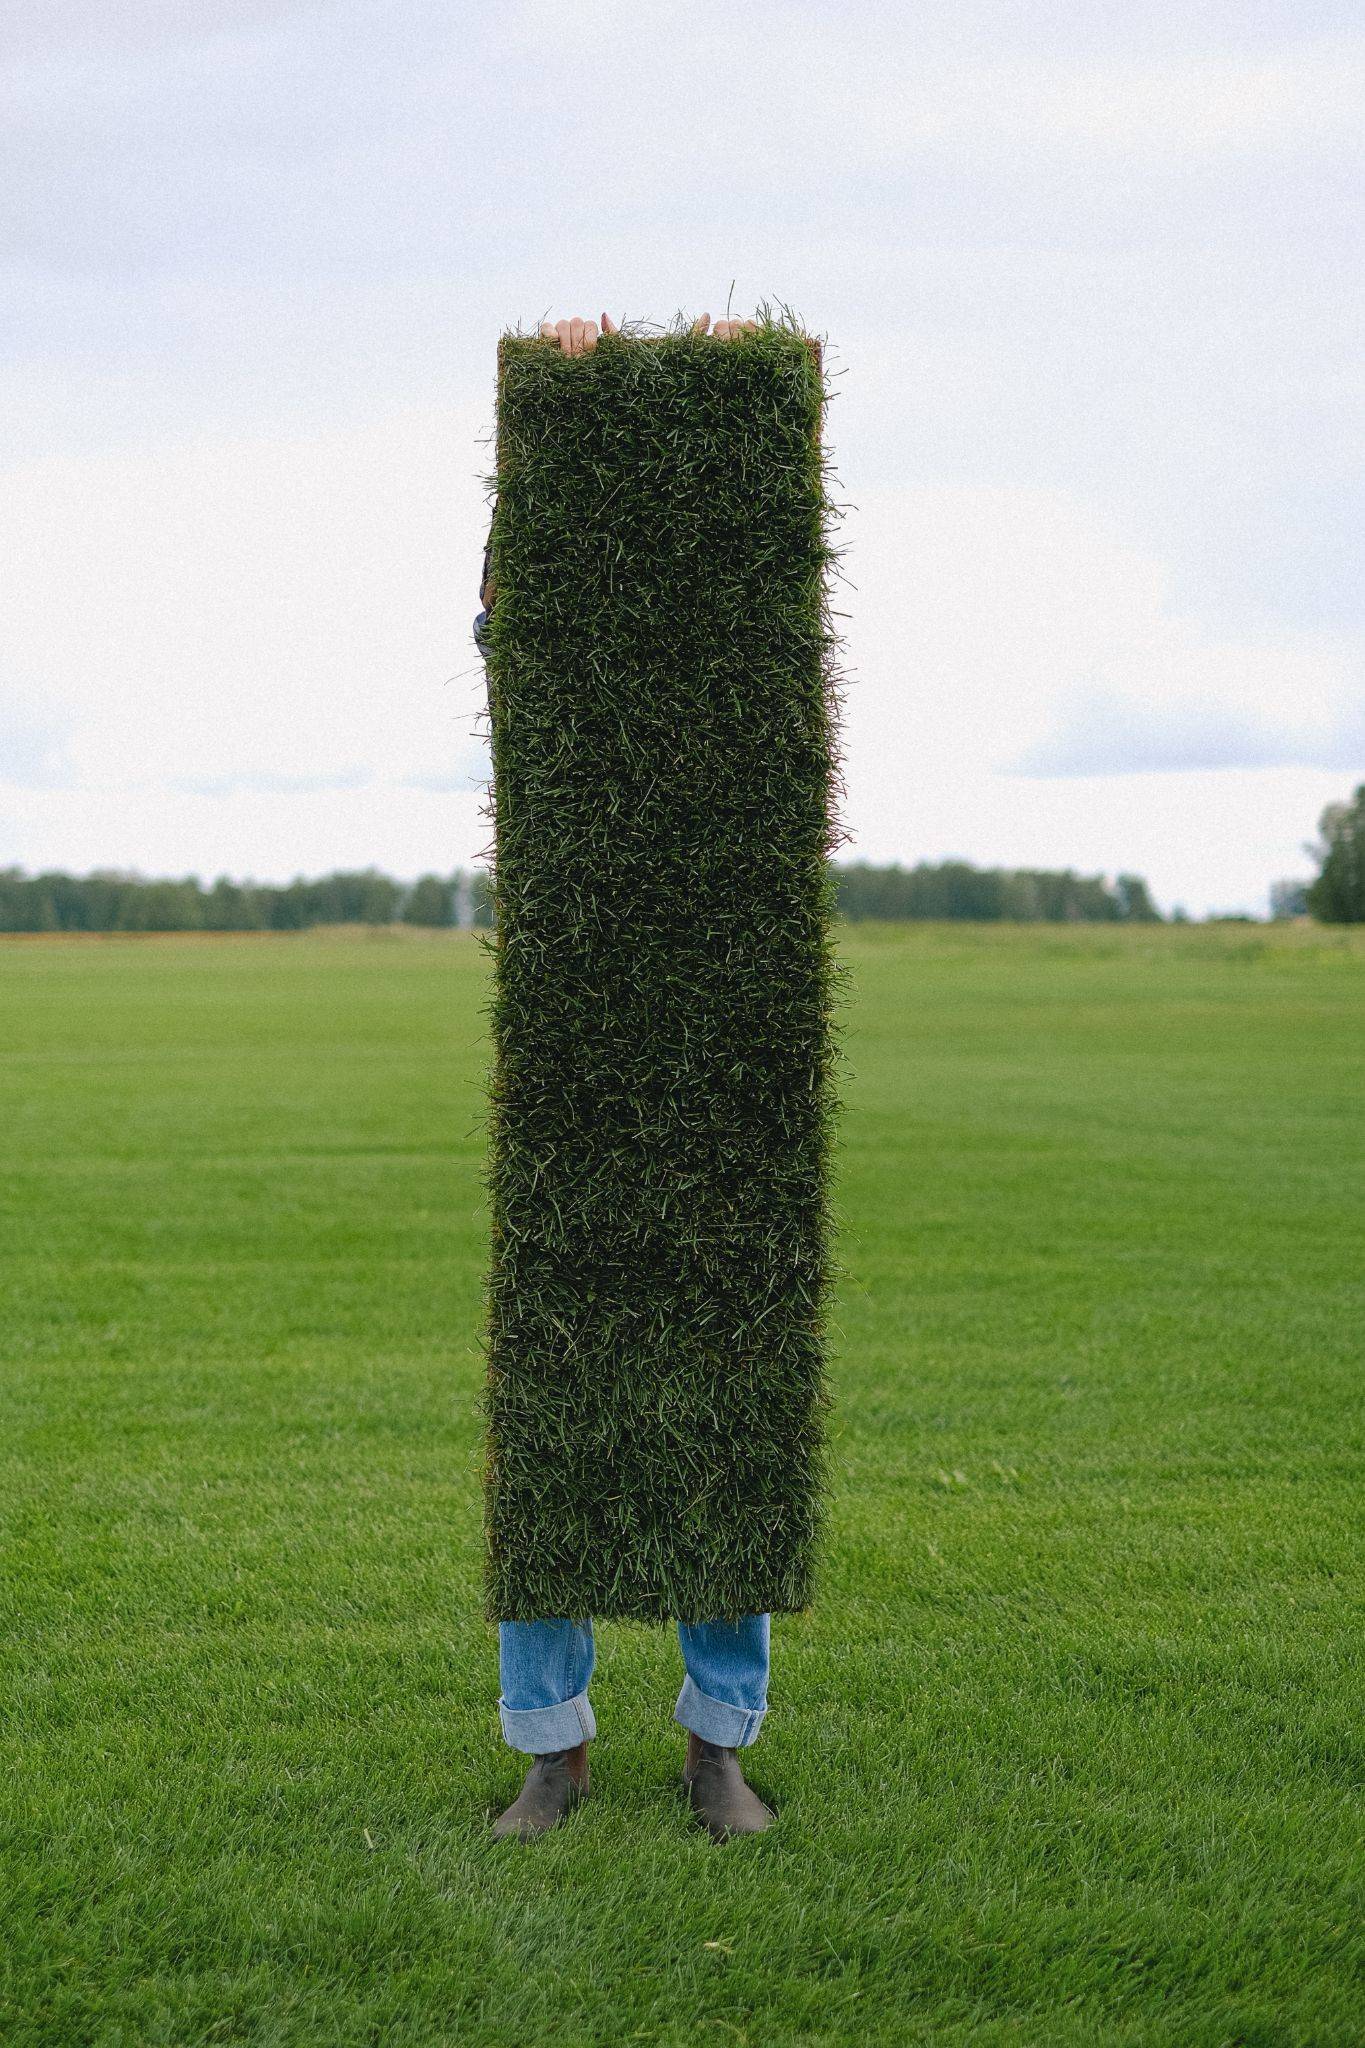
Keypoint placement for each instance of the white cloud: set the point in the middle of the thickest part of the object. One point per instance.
(257, 652)
(1178, 110)
(38, 27)
(1103, 731)
(268, 838)
(228, 611)
(1010, 620)
(262, 784)
(985, 621)
(33, 752)
(872, 87)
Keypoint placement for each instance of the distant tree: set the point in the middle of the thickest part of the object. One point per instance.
(234, 907)
(431, 901)
(366, 897)
(376, 898)
(1134, 901)
(161, 907)
(1338, 894)
(954, 889)
(25, 904)
(1288, 899)
(286, 910)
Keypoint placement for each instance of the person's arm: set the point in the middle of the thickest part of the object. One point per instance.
(485, 596)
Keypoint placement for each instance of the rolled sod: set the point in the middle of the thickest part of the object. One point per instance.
(662, 701)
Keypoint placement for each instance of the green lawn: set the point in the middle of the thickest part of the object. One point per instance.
(1070, 1748)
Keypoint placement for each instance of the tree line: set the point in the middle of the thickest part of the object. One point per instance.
(113, 902)
(110, 902)
(107, 901)
(954, 889)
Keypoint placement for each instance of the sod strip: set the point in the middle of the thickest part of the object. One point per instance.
(662, 694)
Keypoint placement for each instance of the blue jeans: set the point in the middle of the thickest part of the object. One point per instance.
(545, 1667)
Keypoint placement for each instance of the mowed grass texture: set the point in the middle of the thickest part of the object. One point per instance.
(661, 697)
(1067, 1751)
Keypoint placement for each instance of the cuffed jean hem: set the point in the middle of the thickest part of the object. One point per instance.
(538, 1731)
(716, 1720)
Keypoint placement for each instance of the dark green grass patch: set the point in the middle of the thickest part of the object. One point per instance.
(660, 693)
(1067, 1751)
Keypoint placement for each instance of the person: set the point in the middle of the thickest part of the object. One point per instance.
(545, 1665)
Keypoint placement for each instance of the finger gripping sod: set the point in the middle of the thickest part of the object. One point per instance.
(662, 696)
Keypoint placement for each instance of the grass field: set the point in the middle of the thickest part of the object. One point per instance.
(1070, 1748)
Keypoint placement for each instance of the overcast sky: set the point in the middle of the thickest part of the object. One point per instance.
(1090, 277)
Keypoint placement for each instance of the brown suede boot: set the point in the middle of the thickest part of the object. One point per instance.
(554, 1784)
(717, 1792)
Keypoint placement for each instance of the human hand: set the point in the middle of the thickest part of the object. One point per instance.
(576, 337)
(724, 330)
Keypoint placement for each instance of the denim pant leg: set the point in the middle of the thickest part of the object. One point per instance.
(725, 1693)
(544, 1668)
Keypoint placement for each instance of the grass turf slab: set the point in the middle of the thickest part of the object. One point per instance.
(661, 693)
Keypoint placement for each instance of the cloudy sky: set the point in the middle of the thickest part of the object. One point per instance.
(1090, 280)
